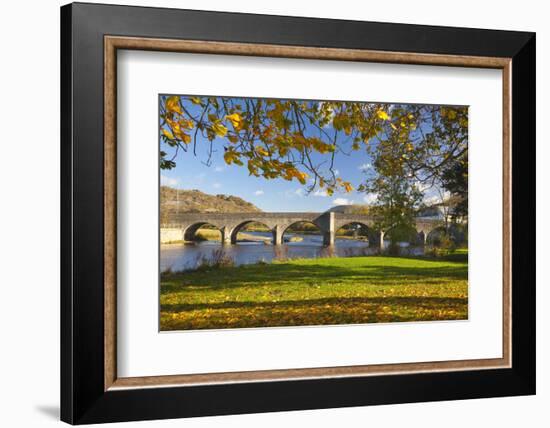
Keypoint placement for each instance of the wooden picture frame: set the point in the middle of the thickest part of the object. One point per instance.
(91, 390)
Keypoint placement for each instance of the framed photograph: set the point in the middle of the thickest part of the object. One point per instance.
(266, 213)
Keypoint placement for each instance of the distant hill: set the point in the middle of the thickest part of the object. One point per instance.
(195, 201)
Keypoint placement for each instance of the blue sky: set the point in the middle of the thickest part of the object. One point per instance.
(268, 195)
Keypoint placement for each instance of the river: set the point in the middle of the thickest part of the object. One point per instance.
(186, 256)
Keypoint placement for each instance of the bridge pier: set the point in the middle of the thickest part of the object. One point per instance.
(423, 238)
(381, 238)
(226, 235)
(376, 238)
(325, 223)
(328, 238)
(277, 235)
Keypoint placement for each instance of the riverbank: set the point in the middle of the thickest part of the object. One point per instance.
(316, 292)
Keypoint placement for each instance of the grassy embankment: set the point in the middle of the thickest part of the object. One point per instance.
(317, 291)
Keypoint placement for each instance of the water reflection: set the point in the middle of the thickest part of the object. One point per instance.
(180, 256)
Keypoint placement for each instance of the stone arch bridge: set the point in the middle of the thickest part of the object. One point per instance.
(185, 225)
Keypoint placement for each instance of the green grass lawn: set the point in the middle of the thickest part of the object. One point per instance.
(316, 292)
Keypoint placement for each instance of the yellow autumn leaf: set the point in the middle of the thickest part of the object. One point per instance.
(186, 123)
(316, 143)
(301, 176)
(230, 156)
(252, 168)
(261, 151)
(339, 121)
(173, 104)
(195, 100)
(168, 134)
(235, 119)
(185, 138)
(219, 129)
(347, 186)
(382, 115)
(176, 129)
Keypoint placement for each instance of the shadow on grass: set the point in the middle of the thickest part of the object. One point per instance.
(244, 276)
(458, 256)
(325, 311)
(440, 303)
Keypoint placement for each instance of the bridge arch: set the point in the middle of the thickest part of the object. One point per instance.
(373, 235)
(317, 229)
(239, 227)
(190, 232)
(435, 234)
(425, 230)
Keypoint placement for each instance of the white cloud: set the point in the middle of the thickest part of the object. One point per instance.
(168, 181)
(336, 172)
(320, 192)
(342, 201)
(365, 167)
(259, 192)
(289, 193)
(370, 198)
(432, 200)
(216, 185)
(421, 186)
(219, 168)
